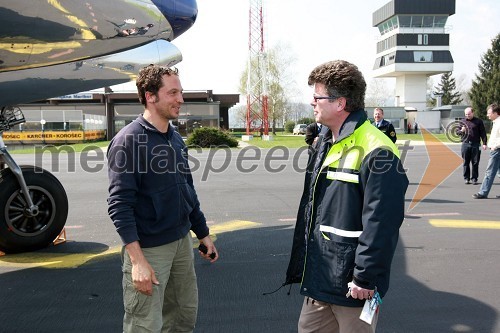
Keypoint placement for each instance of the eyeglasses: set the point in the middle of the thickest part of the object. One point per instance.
(317, 98)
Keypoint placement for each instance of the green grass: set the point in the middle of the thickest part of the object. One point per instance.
(418, 137)
(286, 140)
(280, 139)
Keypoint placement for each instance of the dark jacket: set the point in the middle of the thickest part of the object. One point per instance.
(151, 194)
(312, 131)
(475, 131)
(387, 127)
(350, 212)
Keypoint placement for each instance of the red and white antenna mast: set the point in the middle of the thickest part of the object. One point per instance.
(257, 101)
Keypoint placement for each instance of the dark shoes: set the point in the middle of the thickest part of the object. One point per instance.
(479, 196)
(467, 182)
(474, 182)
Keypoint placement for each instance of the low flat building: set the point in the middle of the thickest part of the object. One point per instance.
(98, 116)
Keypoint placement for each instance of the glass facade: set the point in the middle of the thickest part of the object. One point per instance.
(196, 115)
(39, 118)
(412, 21)
(191, 116)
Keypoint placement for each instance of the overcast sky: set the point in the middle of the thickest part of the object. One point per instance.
(215, 49)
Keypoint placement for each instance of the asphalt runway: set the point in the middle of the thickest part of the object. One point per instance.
(444, 275)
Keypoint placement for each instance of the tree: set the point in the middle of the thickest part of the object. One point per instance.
(486, 87)
(430, 101)
(447, 88)
(289, 125)
(280, 82)
(377, 93)
(307, 120)
(462, 82)
(237, 115)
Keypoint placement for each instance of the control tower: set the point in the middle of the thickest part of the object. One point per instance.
(413, 45)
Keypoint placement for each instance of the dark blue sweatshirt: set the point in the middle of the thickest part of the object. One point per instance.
(151, 194)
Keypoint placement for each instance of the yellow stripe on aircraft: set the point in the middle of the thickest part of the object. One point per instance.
(86, 33)
(74, 260)
(35, 48)
(465, 224)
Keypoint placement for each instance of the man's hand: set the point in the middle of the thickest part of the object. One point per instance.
(358, 292)
(143, 275)
(210, 249)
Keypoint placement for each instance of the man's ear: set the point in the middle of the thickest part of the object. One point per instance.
(150, 97)
(341, 103)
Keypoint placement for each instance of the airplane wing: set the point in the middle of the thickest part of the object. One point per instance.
(54, 48)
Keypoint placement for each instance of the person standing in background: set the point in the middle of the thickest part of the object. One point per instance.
(472, 132)
(493, 113)
(384, 125)
(312, 131)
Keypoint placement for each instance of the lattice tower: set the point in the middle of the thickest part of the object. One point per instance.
(257, 117)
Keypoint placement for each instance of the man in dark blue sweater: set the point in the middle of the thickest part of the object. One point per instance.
(153, 204)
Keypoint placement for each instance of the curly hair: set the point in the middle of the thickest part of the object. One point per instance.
(150, 79)
(341, 79)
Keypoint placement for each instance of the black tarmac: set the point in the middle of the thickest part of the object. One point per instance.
(444, 276)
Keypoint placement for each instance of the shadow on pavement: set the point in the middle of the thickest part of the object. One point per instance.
(82, 299)
(88, 298)
(411, 307)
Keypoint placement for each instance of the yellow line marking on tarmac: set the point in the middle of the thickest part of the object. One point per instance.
(465, 224)
(53, 260)
(74, 260)
(433, 214)
(226, 227)
(232, 226)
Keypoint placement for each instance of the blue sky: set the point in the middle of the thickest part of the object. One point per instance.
(215, 49)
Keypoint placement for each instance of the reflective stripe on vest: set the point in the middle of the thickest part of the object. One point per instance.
(340, 232)
(344, 176)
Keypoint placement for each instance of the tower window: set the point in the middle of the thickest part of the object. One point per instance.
(416, 21)
(428, 21)
(404, 21)
(423, 39)
(422, 56)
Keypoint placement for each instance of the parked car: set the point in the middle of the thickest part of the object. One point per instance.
(299, 129)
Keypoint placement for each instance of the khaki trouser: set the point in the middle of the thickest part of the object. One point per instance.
(320, 317)
(174, 304)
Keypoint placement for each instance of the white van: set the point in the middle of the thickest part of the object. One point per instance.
(299, 129)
